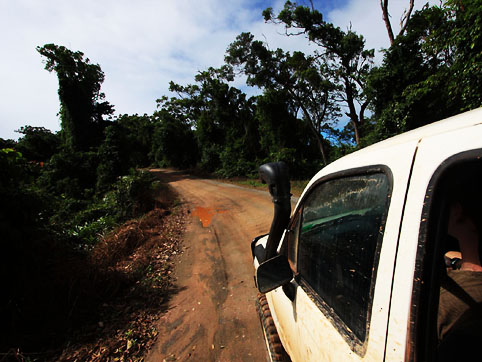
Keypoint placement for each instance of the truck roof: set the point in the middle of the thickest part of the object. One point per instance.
(402, 142)
(447, 125)
(462, 120)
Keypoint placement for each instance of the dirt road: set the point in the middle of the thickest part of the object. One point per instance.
(213, 317)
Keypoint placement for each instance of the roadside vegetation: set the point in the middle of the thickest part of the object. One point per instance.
(84, 278)
(297, 186)
(87, 237)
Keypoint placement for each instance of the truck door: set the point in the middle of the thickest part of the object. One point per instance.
(447, 171)
(341, 246)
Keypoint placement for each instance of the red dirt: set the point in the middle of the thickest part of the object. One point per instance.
(213, 317)
(134, 264)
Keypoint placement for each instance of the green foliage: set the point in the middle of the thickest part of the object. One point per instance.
(71, 174)
(226, 123)
(7, 143)
(22, 205)
(233, 134)
(432, 72)
(306, 79)
(210, 123)
(284, 137)
(13, 167)
(345, 62)
(132, 195)
(113, 157)
(42, 235)
(83, 222)
(23, 229)
(82, 105)
(58, 206)
(22, 209)
(299, 166)
(210, 158)
(137, 132)
(127, 144)
(233, 163)
(37, 143)
(173, 142)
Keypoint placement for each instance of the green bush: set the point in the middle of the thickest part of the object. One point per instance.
(132, 195)
(72, 174)
(82, 222)
(210, 160)
(234, 163)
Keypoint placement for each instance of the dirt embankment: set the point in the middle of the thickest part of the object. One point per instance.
(213, 317)
(139, 259)
(103, 305)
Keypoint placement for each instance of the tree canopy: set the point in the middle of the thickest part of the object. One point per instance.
(345, 60)
(305, 78)
(82, 105)
(431, 72)
(61, 191)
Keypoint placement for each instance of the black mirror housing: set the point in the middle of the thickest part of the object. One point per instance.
(273, 273)
(276, 175)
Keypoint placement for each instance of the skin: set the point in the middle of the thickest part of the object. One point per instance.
(462, 227)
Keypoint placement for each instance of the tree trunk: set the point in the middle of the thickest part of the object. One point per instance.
(357, 132)
(316, 133)
(319, 139)
(384, 6)
(352, 110)
(403, 20)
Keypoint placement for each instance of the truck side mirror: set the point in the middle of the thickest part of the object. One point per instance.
(273, 273)
(276, 175)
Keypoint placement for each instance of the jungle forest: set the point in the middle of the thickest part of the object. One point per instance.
(60, 191)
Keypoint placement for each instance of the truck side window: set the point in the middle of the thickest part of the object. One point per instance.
(342, 224)
(447, 298)
(292, 240)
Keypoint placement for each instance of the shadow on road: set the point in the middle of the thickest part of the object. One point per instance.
(169, 175)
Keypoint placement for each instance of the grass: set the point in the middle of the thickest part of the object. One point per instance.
(297, 186)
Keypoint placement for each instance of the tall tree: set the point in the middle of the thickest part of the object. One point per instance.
(173, 142)
(283, 137)
(431, 72)
(137, 131)
(343, 52)
(403, 20)
(220, 116)
(227, 121)
(37, 143)
(305, 78)
(82, 105)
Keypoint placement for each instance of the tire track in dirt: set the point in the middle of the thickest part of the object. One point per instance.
(213, 317)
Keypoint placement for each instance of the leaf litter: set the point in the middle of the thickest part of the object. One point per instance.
(143, 253)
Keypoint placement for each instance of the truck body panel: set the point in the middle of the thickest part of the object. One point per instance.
(308, 327)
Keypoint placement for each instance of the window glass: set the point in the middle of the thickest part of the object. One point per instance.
(292, 241)
(449, 270)
(342, 221)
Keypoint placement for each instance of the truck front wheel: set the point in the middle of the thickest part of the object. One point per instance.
(276, 352)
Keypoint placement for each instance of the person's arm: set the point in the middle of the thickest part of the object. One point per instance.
(463, 228)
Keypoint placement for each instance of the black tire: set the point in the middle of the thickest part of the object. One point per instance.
(276, 351)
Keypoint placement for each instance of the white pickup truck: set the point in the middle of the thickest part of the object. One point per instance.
(354, 273)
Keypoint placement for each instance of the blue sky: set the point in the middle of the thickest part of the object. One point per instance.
(142, 45)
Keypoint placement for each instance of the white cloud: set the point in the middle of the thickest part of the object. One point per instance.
(365, 18)
(140, 45)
